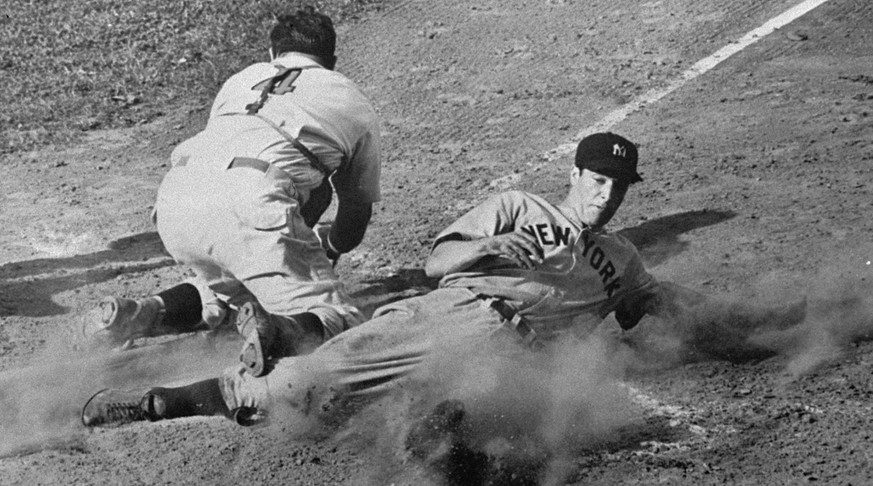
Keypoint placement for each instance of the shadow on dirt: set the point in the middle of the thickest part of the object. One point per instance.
(27, 287)
(658, 239)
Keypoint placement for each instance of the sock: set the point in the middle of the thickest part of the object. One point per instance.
(200, 398)
(310, 323)
(183, 307)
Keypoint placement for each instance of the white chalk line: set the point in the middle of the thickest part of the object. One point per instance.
(700, 67)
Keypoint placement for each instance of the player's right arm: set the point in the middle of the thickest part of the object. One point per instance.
(357, 185)
(488, 230)
(451, 256)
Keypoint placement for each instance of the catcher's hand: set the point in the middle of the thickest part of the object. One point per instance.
(322, 231)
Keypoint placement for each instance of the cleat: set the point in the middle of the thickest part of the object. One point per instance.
(250, 320)
(248, 416)
(110, 407)
(252, 356)
(119, 321)
(268, 338)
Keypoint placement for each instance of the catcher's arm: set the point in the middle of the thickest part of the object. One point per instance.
(347, 232)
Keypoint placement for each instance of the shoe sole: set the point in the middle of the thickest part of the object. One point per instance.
(85, 421)
(102, 332)
(252, 355)
(89, 330)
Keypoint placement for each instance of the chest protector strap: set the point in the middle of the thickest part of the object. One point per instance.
(252, 109)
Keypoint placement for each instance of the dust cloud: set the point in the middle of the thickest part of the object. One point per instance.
(839, 315)
(42, 403)
(807, 324)
(527, 414)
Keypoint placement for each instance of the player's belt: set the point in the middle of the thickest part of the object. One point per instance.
(513, 320)
(257, 164)
(250, 163)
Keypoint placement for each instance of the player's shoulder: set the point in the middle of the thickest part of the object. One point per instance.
(520, 199)
(252, 74)
(516, 195)
(508, 199)
(257, 68)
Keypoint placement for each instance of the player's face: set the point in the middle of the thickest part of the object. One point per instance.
(595, 197)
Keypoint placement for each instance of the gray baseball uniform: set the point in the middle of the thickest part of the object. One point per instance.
(584, 276)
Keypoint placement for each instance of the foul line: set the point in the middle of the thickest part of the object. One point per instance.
(696, 70)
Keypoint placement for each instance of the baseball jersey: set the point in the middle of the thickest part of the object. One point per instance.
(583, 272)
(321, 108)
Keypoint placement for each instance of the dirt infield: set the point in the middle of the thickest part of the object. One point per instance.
(758, 185)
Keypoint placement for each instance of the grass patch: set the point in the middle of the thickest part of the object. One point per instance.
(71, 66)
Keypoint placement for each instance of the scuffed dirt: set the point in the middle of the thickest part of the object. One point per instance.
(758, 185)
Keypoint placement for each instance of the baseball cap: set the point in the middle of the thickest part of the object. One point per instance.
(609, 154)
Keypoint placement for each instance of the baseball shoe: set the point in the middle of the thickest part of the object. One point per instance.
(119, 321)
(268, 338)
(248, 416)
(110, 407)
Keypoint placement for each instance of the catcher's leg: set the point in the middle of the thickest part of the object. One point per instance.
(119, 321)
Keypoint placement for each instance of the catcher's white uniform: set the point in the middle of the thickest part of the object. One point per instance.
(230, 206)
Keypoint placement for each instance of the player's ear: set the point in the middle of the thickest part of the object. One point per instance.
(574, 175)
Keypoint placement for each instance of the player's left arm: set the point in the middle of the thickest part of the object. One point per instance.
(644, 295)
(664, 300)
(637, 303)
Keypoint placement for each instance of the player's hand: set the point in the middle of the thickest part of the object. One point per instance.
(322, 230)
(519, 246)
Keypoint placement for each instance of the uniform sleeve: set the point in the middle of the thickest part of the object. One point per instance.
(493, 217)
(358, 179)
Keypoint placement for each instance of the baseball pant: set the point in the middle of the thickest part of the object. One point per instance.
(405, 344)
(238, 226)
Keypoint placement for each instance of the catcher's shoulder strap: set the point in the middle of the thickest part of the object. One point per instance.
(282, 83)
(313, 160)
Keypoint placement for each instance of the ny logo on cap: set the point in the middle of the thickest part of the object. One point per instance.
(619, 150)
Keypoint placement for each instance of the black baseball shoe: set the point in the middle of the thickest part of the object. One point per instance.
(268, 338)
(110, 407)
(248, 416)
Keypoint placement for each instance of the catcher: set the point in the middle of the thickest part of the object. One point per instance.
(239, 203)
(518, 273)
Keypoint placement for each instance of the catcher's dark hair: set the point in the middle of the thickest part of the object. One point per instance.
(306, 31)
